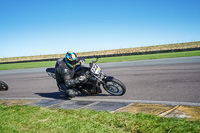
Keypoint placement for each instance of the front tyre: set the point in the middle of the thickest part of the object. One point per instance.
(115, 87)
(3, 86)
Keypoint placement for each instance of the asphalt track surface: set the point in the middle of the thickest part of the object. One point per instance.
(167, 81)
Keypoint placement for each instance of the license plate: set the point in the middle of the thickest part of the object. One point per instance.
(95, 69)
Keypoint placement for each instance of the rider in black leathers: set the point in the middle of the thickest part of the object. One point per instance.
(64, 71)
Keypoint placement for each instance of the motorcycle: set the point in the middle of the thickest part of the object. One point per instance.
(96, 79)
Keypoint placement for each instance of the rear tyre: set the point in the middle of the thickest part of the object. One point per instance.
(115, 87)
(3, 86)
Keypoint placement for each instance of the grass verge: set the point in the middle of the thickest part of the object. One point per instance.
(40, 119)
(103, 60)
(27, 65)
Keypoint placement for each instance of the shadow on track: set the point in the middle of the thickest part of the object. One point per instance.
(62, 96)
(82, 95)
(54, 95)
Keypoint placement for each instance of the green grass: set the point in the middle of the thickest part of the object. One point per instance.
(104, 60)
(27, 65)
(148, 56)
(45, 120)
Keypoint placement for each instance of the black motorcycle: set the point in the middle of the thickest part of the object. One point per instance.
(95, 80)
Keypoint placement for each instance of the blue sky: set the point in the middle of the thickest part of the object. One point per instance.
(40, 27)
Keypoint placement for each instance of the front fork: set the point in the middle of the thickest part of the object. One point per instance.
(104, 79)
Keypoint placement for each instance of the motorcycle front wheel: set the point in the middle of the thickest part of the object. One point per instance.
(3, 86)
(115, 87)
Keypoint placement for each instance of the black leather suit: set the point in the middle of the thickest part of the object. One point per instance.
(64, 75)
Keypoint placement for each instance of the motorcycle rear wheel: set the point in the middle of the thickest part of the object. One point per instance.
(115, 87)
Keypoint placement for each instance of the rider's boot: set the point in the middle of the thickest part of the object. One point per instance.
(71, 93)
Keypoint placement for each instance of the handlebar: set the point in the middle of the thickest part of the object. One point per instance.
(95, 61)
(81, 60)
